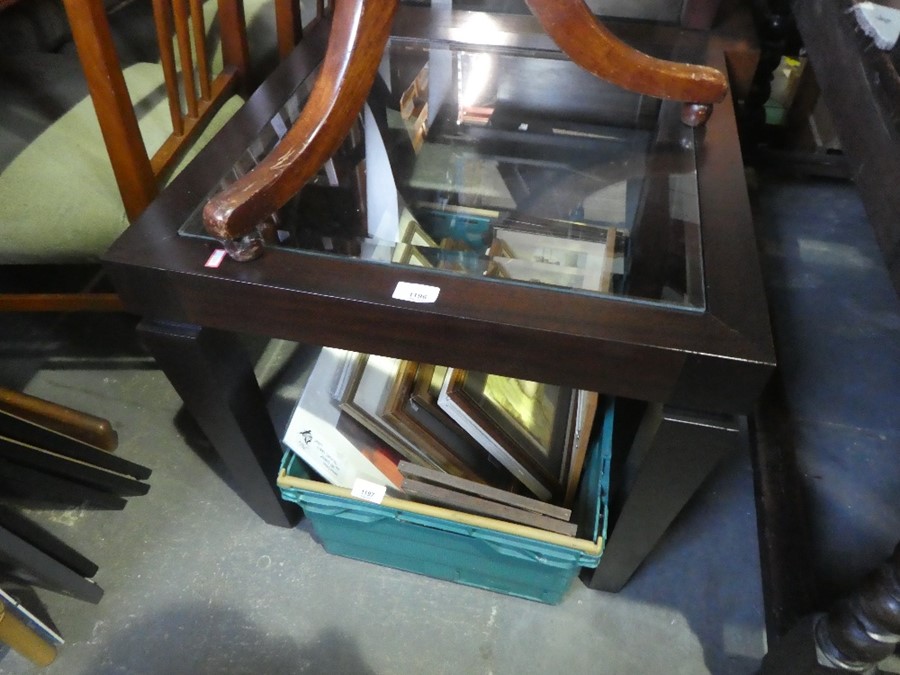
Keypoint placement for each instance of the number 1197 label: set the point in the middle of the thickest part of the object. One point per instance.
(371, 492)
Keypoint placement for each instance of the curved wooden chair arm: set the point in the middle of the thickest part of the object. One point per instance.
(592, 46)
(359, 33)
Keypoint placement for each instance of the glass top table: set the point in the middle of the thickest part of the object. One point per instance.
(493, 210)
(496, 210)
(508, 164)
(492, 206)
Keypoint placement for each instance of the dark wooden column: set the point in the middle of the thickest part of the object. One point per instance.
(212, 374)
(672, 454)
(853, 637)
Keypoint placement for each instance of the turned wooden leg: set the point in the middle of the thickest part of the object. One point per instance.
(860, 631)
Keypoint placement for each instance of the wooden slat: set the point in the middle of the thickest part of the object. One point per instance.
(235, 51)
(199, 29)
(163, 19)
(288, 25)
(172, 149)
(181, 14)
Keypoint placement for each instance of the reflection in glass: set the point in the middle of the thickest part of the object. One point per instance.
(505, 165)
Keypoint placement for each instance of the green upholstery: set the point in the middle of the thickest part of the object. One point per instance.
(59, 202)
(58, 198)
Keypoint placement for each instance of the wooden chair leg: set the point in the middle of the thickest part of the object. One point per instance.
(86, 428)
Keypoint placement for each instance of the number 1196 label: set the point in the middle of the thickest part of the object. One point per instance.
(415, 292)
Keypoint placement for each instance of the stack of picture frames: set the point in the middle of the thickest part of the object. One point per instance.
(54, 457)
(486, 444)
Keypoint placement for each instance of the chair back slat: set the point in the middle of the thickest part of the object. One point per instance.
(200, 43)
(181, 14)
(163, 20)
(289, 24)
(233, 31)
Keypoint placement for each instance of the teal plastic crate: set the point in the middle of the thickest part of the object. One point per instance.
(461, 547)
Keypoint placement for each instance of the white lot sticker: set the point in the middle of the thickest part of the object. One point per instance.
(215, 259)
(371, 492)
(415, 292)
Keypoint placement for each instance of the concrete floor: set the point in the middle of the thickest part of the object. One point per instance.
(195, 583)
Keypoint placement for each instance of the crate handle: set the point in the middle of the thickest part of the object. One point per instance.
(445, 526)
(344, 513)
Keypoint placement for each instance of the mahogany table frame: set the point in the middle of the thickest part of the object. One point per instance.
(700, 371)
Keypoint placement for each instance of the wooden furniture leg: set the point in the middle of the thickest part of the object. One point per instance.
(21, 484)
(86, 428)
(860, 631)
(672, 454)
(15, 427)
(35, 556)
(213, 376)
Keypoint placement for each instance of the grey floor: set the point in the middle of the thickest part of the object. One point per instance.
(195, 583)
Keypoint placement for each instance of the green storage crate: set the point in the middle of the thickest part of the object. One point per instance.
(456, 546)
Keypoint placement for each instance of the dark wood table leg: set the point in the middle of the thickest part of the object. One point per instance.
(32, 555)
(211, 372)
(671, 455)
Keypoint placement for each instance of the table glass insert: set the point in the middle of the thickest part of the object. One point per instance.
(507, 165)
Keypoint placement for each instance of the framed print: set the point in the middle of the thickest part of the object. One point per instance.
(38, 435)
(466, 460)
(585, 406)
(435, 494)
(523, 424)
(554, 260)
(412, 236)
(366, 397)
(17, 453)
(542, 273)
(533, 415)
